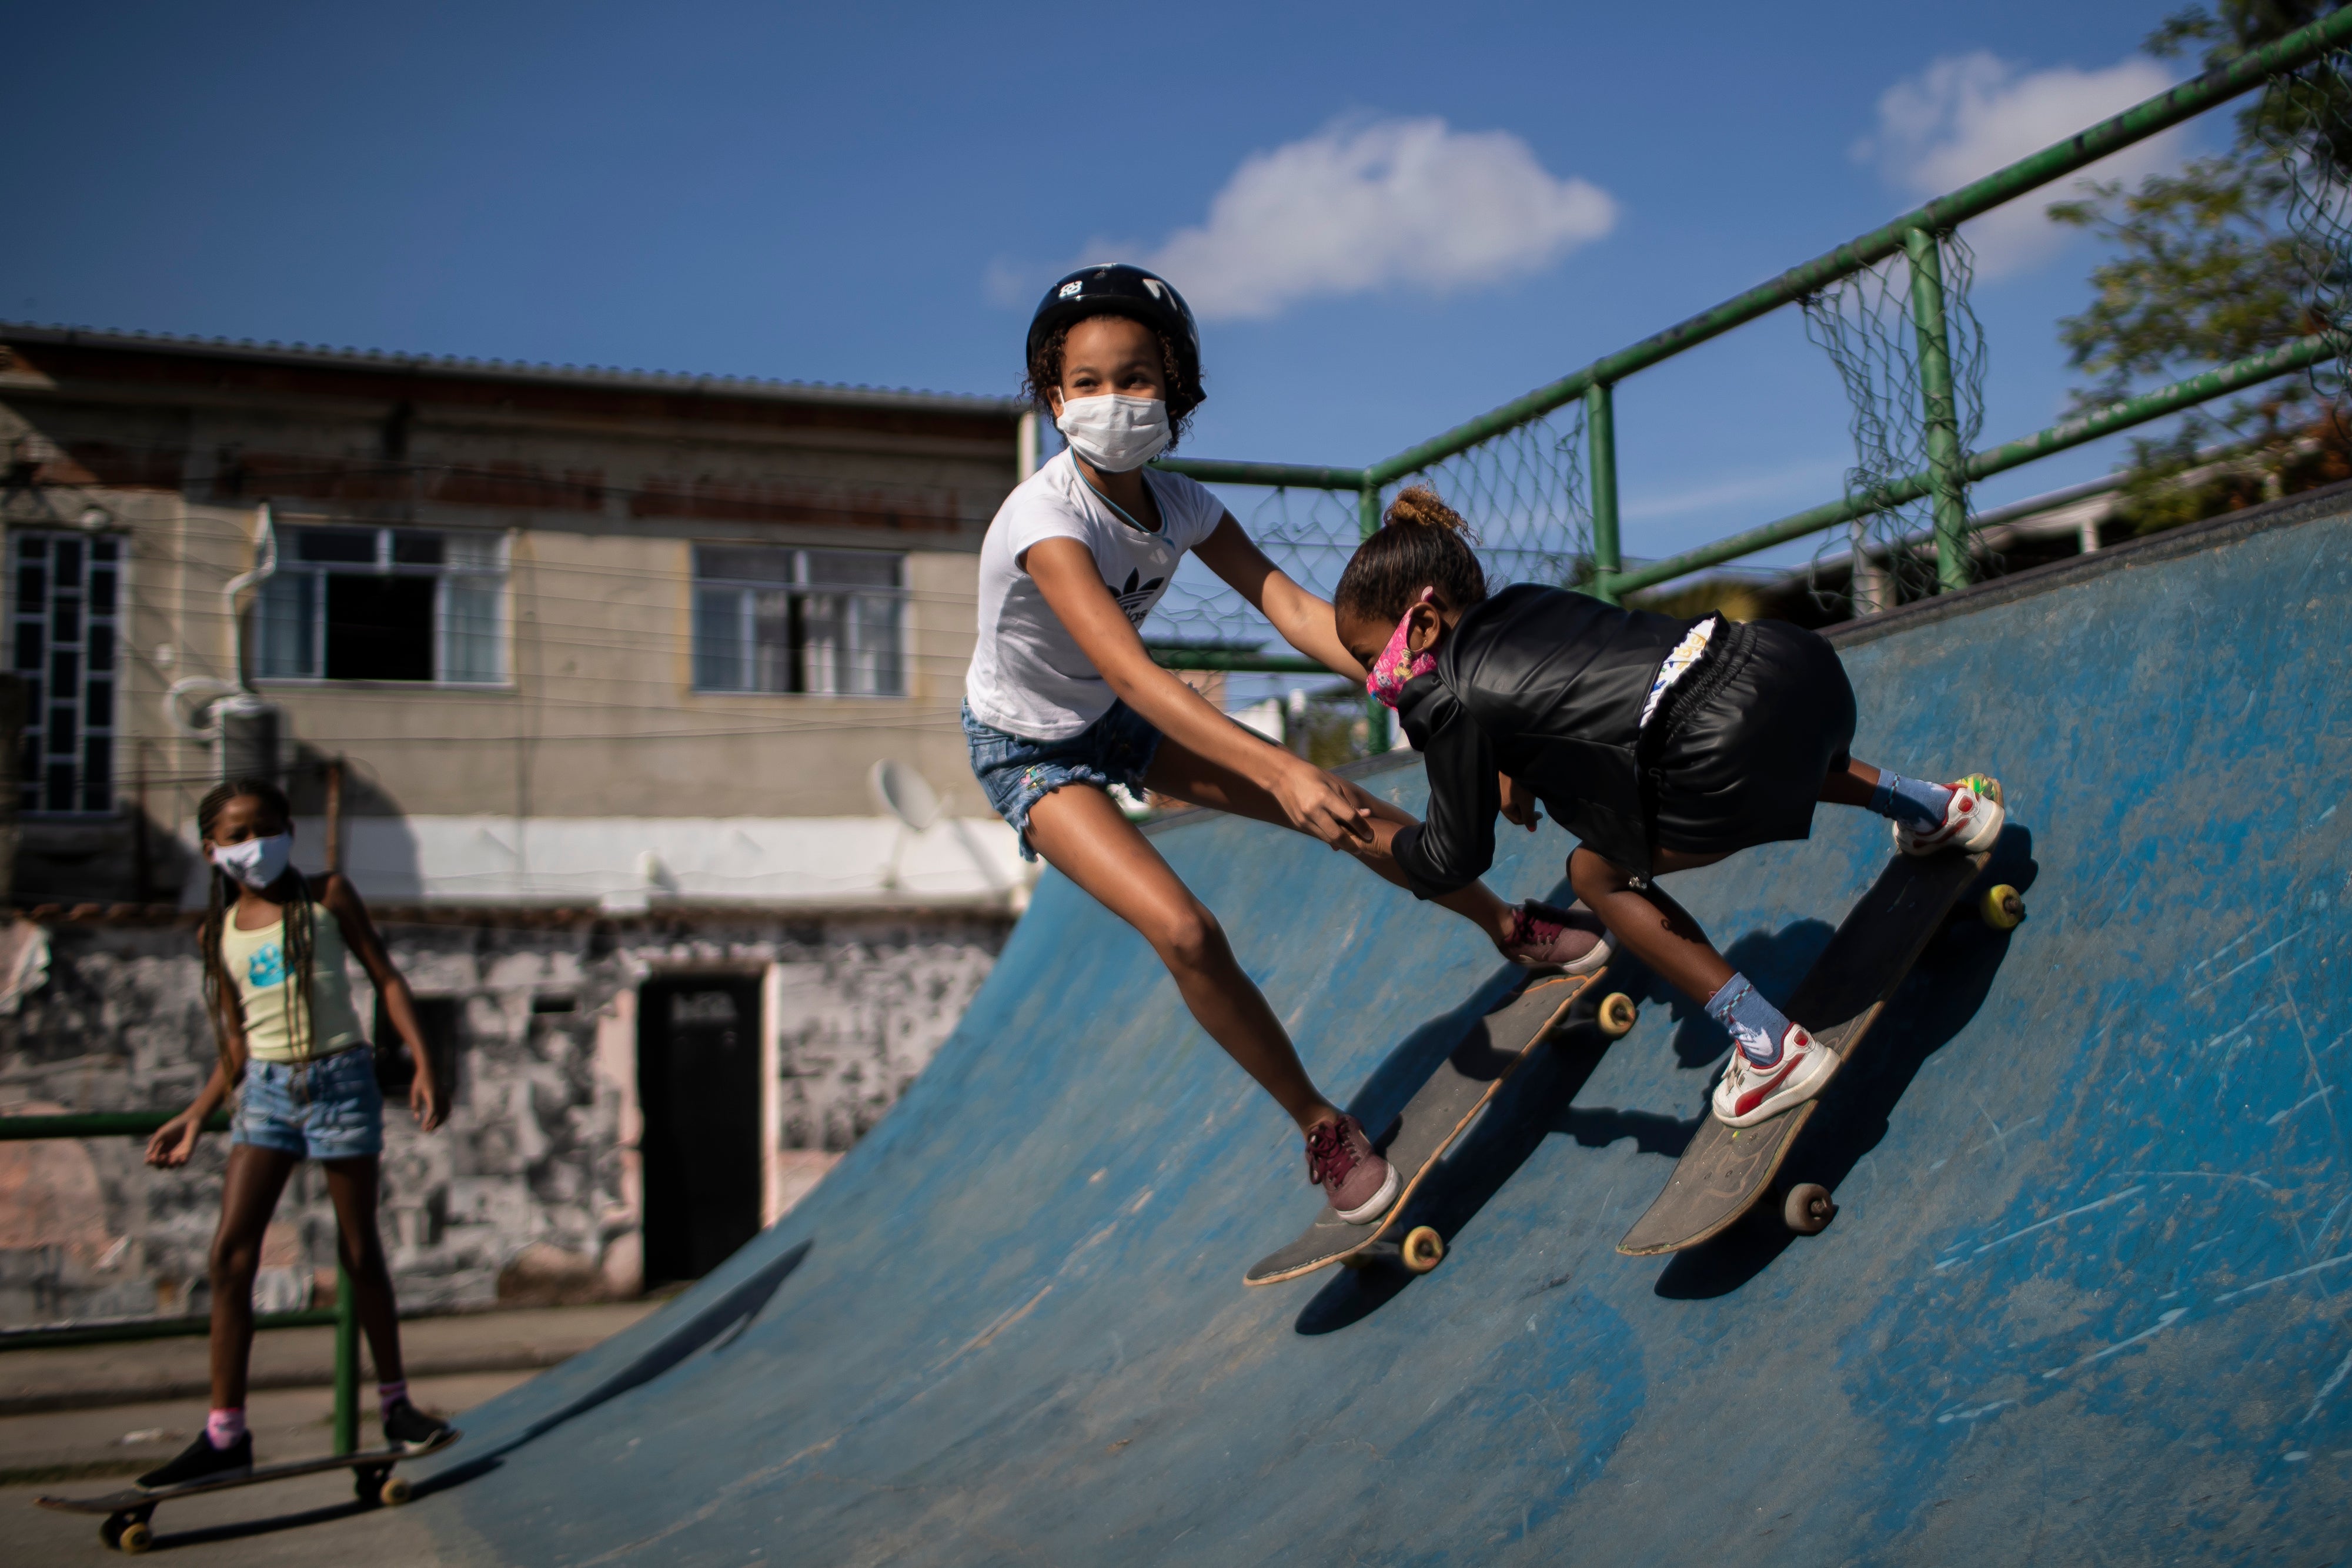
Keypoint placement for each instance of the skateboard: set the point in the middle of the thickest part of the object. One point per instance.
(1727, 1171)
(1438, 1114)
(127, 1511)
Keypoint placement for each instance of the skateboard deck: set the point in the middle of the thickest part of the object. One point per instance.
(1726, 1170)
(1437, 1114)
(127, 1510)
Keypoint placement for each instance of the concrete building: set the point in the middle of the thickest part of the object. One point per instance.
(585, 677)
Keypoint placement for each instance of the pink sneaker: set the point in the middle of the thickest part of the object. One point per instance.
(1572, 940)
(1339, 1159)
(1972, 819)
(1747, 1093)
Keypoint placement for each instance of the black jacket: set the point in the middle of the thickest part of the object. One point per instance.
(1547, 685)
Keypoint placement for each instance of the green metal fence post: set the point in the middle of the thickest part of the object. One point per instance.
(347, 1363)
(1946, 480)
(1376, 712)
(1600, 435)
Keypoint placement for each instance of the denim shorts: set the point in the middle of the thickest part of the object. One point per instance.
(1018, 772)
(328, 1109)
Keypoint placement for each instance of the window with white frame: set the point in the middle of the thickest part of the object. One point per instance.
(383, 605)
(69, 593)
(820, 621)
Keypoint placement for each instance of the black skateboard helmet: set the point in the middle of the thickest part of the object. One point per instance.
(1117, 289)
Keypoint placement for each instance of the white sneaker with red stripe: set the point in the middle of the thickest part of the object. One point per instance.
(1747, 1093)
(1972, 819)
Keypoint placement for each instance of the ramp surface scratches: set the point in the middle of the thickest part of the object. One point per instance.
(2084, 1302)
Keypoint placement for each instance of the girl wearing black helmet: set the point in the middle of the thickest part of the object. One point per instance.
(1063, 701)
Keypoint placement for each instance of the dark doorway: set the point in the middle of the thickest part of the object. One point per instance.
(698, 1088)
(379, 628)
(396, 1069)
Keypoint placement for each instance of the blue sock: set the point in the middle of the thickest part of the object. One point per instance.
(1755, 1023)
(1914, 802)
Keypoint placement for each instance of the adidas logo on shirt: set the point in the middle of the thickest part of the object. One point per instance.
(1134, 601)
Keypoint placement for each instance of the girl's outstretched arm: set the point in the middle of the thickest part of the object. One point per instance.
(175, 1140)
(343, 900)
(1313, 800)
(1304, 621)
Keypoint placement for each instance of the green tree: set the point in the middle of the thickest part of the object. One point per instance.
(2234, 254)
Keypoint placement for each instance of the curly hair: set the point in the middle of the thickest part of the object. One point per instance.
(1421, 543)
(1044, 375)
(301, 922)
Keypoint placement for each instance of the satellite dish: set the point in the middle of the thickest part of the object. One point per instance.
(905, 794)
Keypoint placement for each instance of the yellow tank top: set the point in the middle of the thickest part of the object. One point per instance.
(255, 960)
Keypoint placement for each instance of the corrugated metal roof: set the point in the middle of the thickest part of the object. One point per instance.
(606, 376)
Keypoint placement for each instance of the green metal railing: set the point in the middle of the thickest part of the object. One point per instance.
(1950, 470)
(343, 1317)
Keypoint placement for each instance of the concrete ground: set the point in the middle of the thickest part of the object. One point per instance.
(519, 1341)
(81, 1421)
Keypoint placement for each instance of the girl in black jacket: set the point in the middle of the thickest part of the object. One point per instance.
(1663, 744)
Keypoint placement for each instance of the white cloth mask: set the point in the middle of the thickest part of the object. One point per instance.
(257, 863)
(1114, 434)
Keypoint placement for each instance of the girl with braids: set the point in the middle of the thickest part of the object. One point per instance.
(1063, 700)
(1662, 744)
(282, 1020)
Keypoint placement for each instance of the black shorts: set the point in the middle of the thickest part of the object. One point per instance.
(1737, 756)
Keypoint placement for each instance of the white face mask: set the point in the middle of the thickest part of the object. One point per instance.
(257, 863)
(1114, 434)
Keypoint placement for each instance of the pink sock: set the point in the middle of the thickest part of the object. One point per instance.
(388, 1395)
(224, 1427)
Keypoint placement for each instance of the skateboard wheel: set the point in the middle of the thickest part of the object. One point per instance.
(1617, 1015)
(1423, 1249)
(2002, 907)
(394, 1491)
(1809, 1208)
(135, 1538)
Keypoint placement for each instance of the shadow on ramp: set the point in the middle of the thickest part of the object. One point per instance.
(718, 1325)
(1536, 1104)
(1941, 995)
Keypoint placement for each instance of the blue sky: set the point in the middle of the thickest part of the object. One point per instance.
(875, 194)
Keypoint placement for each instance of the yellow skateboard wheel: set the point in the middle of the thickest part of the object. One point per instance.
(394, 1491)
(2002, 907)
(136, 1537)
(1617, 1015)
(1423, 1249)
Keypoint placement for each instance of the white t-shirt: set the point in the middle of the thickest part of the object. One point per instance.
(1028, 675)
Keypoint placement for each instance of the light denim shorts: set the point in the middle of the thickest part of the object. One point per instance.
(329, 1109)
(1018, 772)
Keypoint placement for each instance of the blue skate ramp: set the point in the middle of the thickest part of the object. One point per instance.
(2085, 1301)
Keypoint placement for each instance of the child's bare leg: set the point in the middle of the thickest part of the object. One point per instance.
(352, 1185)
(1852, 785)
(256, 1176)
(1649, 924)
(1776, 1063)
(1186, 776)
(1088, 840)
(1928, 816)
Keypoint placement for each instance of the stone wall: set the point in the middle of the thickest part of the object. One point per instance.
(529, 1192)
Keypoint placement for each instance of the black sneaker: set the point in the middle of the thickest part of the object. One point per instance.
(413, 1429)
(200, 1461)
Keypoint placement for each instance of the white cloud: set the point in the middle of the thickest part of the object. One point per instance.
(1968, 115)
(1362, 205)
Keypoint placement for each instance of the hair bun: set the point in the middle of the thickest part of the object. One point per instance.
(1419, 508)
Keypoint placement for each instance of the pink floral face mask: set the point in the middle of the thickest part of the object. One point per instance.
(1397, 664)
